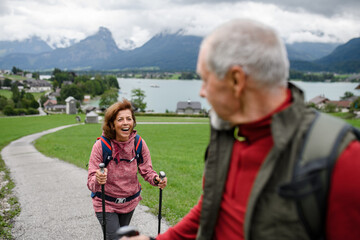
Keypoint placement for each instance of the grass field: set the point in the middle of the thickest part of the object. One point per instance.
(176, 149)
(8, 94)
(12, 128)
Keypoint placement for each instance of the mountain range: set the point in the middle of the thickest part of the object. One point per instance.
(164, 52)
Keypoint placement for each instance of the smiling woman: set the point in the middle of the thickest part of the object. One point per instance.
(120, 174)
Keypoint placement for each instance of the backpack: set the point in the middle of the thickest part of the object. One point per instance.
(313, 168)
(107, 151)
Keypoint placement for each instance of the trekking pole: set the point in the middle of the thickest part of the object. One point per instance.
(102, 165)
(161, 175)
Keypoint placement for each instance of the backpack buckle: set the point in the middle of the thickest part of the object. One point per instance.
(120, 200)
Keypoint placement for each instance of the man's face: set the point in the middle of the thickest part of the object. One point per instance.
(217, 92)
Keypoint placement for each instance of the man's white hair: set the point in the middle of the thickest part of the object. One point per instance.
(254, 46)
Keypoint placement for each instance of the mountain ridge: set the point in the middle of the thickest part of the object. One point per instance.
(165, 51)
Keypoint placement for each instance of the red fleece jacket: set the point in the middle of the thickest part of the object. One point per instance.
(343, 212)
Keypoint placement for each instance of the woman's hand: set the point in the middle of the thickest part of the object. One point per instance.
(161, 183)
(101, 177)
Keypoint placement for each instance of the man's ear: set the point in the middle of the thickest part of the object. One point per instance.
(238, 79)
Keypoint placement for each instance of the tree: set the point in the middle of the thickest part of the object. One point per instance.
(108, 98)
(36, 75)
(73, 91)
(355, 106)
(330, 108)
(137, 98)
(111, 81)
(43, 99)
(3, 102)
(16, 96)
(15, 70)
(347, 95)
(56, 70)
(7, 82)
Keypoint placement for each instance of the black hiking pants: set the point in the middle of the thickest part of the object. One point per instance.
(114, 221)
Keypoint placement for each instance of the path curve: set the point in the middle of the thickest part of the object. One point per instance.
(55, 202)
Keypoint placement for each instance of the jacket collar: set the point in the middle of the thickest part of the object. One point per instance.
(285, 123)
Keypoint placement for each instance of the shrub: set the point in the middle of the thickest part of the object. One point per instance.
(20, 111)
(9, 110)
(32, 111)
(330, 108)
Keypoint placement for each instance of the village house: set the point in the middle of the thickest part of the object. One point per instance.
(49, 104)
(38, 85)
(188, 107)
(54, 95)
(341, 106)
(58, 108)
(92, 117)
(87, 98)
(319, 101)
(28, 75)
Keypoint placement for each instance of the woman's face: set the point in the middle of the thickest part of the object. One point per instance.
(124, 124)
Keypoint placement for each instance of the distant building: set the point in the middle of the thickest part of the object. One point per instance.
(56, 108)
(38, 85)
(87, 98)
(92, 117)
(320, 101)
(54, 95)
(341, 106)
(28, 75)
(71, 105)
(354, 77)
(49, 103)
(188, 107)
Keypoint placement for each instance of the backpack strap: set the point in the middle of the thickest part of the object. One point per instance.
(138, 149)
(325, 139)
(106, 149)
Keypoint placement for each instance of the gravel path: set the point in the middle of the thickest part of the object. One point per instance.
(55, 201)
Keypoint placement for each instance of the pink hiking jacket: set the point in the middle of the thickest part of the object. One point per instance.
(122, 178)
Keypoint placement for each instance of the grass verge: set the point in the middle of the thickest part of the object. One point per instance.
(13, 128)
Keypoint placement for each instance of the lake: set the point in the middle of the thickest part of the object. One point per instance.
(162, 95)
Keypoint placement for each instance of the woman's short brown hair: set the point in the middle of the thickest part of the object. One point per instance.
(110, 115)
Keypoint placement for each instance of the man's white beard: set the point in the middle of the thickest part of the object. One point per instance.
(217, 122)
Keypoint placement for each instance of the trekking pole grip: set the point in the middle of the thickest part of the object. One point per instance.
(162, 175)
(102, 166)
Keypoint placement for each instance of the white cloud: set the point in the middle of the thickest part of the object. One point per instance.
(132, 23)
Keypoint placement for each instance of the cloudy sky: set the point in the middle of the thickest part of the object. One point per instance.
(133, 22)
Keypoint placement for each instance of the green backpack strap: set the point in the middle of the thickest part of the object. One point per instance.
(326, 138)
